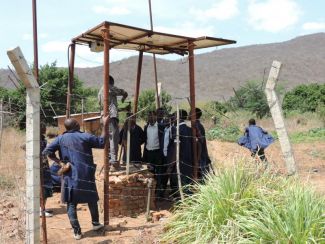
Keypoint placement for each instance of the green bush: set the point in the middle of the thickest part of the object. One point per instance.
(305, 98)
(229, 133)
(239, 205)
(251, 97)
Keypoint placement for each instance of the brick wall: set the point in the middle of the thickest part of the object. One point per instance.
(128, 194)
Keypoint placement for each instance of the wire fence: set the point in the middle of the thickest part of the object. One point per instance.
(13, 110)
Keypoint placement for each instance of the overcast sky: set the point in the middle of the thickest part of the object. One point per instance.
(246, 21)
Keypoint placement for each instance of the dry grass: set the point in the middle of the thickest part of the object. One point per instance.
(12, 196)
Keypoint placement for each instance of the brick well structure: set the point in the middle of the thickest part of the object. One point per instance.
(128, 195)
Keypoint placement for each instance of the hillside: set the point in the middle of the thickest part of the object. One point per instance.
(219, 71)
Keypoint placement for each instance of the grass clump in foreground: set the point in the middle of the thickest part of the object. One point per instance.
(242, 206)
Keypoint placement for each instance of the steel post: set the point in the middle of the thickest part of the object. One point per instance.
(106, 38)
(192, 100)
(137, 86)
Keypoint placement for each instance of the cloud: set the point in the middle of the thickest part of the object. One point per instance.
(188, 29)
(29, 37)
(222, 10)
(273, 15)
(111, 10)
(55, 46)
(313, 26)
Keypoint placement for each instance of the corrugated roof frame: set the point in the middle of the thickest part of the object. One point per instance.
(134, 38)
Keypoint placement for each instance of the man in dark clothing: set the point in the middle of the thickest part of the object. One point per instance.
(152, 154)
(185, 155)
(137, 138)
(256, 140)
(203, 155)
(79, 186)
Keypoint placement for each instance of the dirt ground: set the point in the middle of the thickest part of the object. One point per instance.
(311, 167)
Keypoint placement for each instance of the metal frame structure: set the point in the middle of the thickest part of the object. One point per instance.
(109, 35)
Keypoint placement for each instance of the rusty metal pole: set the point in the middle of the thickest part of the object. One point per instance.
(137, 86)
(72, 46)
(154, 62)
(42, 201)
(106, 38)
(35, 40)
(192, 100)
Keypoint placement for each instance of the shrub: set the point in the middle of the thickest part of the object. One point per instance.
(305, 98)
(229, 133)
(242, 206)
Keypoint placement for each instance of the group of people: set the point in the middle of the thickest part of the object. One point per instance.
(154, 145)
(159, 150)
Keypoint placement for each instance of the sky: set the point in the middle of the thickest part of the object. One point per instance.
(246, 21)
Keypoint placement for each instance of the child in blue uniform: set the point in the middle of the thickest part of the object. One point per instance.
(256, 140)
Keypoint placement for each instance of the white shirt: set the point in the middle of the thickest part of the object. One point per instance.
(152, 137)
(166, 140)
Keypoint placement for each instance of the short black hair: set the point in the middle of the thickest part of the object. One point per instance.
(111, 80)
(183, 114)
(198, 113)
(252, 122)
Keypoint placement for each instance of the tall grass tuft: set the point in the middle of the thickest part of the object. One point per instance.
(245, 206)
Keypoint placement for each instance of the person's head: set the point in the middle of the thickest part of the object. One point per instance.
(152, 117)
(198, 113)
(160, 113)
(43, 128)
(251, 122)
(71, 124)
(111, 80)
(183, 114)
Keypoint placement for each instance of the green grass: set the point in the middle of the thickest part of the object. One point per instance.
(243, 206)
(230, 133)
(317, 134)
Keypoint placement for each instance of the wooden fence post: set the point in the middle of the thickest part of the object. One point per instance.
(277, 116)
(32, 144)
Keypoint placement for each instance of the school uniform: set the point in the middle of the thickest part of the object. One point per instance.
(153, 153)
(185, 158)
(203, 155)
(256, 140)
(137, 138)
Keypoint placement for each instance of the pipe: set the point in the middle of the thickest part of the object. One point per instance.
(70, 79)
(137, 87)
(35, 40)
(154, 61)
(128, 148)
(177, 156)
(192, 99)
(106, 38)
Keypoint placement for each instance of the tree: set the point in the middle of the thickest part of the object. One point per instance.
(54, 83)
(147, 98)
(251, 97)
(305, 98)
